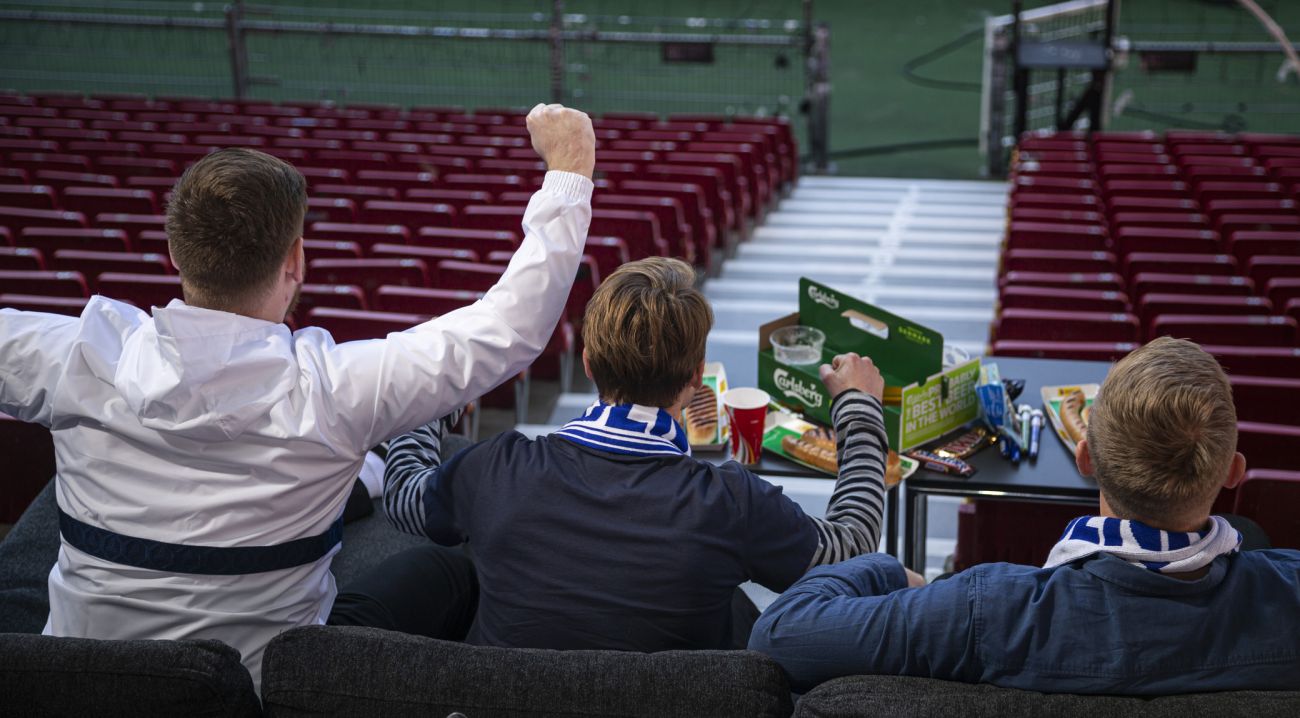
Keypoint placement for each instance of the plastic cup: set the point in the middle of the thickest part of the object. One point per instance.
(798, 345)
(747, 411)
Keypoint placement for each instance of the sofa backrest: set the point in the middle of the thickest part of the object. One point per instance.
(44, 675)
(888, 696)
(372, 672)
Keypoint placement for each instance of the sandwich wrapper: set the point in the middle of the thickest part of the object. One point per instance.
(1052, 397)
(922, 401)
(715, 377)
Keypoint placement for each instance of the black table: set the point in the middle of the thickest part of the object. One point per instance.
(1052, 478)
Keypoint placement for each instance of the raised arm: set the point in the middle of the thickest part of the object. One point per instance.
(389, 386)
(34, 349)
(853, 516)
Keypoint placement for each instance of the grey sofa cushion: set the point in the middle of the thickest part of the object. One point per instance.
(901, 697)
(43, 675)
(26, 556)
(371, 672)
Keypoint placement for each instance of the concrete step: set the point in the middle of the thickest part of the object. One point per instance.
(768, 234)
(903, 252)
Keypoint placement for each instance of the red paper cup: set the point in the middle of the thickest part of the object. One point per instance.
(747, 411)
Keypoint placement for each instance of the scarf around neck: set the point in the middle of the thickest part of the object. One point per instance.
(629, 429)
(1142, 545)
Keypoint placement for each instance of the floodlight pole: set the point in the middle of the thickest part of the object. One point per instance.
(238, 49)
(817, 59)
(557, 51)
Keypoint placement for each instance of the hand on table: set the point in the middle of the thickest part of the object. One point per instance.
(564, 138)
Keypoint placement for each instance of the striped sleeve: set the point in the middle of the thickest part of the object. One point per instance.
(853, 517)
(412, 464)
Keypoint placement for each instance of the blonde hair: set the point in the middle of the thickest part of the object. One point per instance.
(1163, 430)
(645, 332)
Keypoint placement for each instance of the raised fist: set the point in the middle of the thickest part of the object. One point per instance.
(563, 138)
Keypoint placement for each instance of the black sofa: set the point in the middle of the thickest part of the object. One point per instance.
(321, 670)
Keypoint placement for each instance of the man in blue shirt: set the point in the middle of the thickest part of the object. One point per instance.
(607, 534)
(1151, 597)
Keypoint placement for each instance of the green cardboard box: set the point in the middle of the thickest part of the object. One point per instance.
(909, 356)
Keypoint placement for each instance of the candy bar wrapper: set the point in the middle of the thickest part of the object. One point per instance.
(965, 445)
(942, 464)
(994, 407)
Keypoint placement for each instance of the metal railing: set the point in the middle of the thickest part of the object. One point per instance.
(600, 63)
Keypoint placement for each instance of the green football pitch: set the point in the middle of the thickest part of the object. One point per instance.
(881, 122)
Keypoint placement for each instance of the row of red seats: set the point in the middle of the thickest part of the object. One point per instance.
(1099, 251)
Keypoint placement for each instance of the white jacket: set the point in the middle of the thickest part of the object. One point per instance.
(200, 427)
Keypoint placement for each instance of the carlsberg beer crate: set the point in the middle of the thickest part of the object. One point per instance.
(922, 402)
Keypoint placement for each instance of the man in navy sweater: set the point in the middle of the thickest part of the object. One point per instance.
(1151, 597)
(608, 534)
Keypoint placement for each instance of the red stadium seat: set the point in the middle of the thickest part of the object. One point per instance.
(1154, 304)
(1269, 497)
(1177, 263)
(492, 184)
(1169, 189)
(1281, 290)
(27, 196)
(430, 255)
(92, 264)
(480, 241)
(370, 274)
(1087, 351)
(132, 224)
(365, 235)
(20, 259)
(19, 218)
(1088, 300)
(1230, 223)
(476, 277)
(1263, 268)
(347, 325)
(13, 175)
(1053, 235)
(1229, 330)
(1248, 243)
(1057, 216)
(401, 181)
(1212, 190)
(1063, 326)
(1271, 400)
(142, 290)
(52, 284)
(331, 209)
(1269, 446)
(695, 209)
(1066, 280)
(668, 211)
(337, 296)
(49, 161)
(458, 198)
(1165, 239)
(354, 161)
(608, 253)
(1057, 260)
(356, 193)
(639, 229)
(69, 306)
(1055, 201)
(60, 179)
(101, 200)
(1203, 284)
(421, 300)
(410, 214)
(330, 249)
(1257, 360)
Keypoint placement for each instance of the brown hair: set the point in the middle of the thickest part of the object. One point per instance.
(231, 220)
(1163, 430)
(645, 332)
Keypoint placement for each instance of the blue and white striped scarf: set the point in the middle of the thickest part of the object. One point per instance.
(1142, 545)
(629, 429)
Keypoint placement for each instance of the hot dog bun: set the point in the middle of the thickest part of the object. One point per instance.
(810, 453)
(1072, 416)
(702, 417)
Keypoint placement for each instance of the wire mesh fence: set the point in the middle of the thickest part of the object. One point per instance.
(411, 54)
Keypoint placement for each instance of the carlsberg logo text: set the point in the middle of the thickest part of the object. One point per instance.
(792, 387)
(822, 298)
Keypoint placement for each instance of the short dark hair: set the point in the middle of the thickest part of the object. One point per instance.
(645, 331)
(231, 220)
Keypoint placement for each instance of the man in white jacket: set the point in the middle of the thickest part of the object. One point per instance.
(205, 453)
